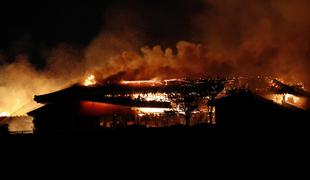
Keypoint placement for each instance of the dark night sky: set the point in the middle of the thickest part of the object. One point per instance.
(50, 21)
(30, 26)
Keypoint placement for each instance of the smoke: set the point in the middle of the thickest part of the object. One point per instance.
(236, 37)
(19, 82)
(66, 64)
(267, 37)
(190, 60)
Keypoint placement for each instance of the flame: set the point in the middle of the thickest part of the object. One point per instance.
(152, 110)
(277, 98)
(4, 114)
(153, 82)
(161, 97)
(288, 98)
(285, 98)
(90, 80)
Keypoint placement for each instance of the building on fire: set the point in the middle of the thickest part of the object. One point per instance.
(168, 103)
(123, 104)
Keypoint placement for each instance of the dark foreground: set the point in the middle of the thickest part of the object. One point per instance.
(110, 136)
(139, 135)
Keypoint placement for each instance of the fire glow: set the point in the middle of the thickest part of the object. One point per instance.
(160, 97)
(291, 99)
(152, 110)
(4, 114)
(142, 83)
(90, 80)
(286, 98)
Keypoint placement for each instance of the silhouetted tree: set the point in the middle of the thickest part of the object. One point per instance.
(188, 95)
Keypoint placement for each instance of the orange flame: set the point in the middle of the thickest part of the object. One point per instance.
(90, 80)
(153, 82)
(291, 99)
(286, 98)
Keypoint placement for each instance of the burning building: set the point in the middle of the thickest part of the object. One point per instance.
(98, 104)
(268, 38)
(151, 103)
(17, 124)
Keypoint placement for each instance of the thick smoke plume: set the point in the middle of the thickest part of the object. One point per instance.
(269, 37)
(237, 38)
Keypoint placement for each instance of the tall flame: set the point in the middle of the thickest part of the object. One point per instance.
(90, 80)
